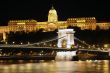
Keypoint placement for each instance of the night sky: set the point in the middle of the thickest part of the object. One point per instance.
(38, 9)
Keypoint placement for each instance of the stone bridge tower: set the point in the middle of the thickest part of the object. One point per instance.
(65, 38)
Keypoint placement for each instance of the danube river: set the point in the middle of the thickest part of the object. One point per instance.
(96, 66)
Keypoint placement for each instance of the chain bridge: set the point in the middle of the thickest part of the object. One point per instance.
(65, 45)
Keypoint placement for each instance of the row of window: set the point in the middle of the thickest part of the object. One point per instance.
(22, 21)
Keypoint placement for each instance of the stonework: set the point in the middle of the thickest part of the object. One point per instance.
(65, 38)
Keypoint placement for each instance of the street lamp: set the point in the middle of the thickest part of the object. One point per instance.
(13, 42)
(6, 42)
(28, 42)
(105, 46)
(21, 43)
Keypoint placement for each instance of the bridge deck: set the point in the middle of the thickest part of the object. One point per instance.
(20, 47)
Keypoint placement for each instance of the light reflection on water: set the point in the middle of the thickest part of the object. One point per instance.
(96, 66)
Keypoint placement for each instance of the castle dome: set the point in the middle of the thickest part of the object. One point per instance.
(52, 15)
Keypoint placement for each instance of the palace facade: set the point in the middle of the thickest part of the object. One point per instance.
(53, 23)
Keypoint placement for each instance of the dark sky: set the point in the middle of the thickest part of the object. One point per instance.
(38, 9)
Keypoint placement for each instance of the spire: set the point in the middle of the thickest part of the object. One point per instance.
(52, 7)
(52, 3)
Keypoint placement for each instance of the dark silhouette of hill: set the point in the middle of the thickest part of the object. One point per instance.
(90, 36)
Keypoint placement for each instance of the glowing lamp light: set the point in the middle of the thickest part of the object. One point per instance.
(105, 45)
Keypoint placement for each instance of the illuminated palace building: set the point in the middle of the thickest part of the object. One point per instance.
(53, 23)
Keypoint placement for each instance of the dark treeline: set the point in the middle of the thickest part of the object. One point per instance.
(97, 36)
(89, 36)
(31, 37)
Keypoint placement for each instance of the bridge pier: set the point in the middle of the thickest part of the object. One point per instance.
(3, 37)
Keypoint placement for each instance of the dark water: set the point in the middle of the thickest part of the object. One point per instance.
(57, 67)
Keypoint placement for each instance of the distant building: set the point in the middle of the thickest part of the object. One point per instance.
(53, 23)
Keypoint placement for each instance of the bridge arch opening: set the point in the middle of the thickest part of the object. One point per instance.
(64, 43)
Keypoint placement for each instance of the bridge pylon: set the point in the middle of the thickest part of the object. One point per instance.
(66, 38)
(4, 37)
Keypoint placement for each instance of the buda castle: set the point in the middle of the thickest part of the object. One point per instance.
(53, 23)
